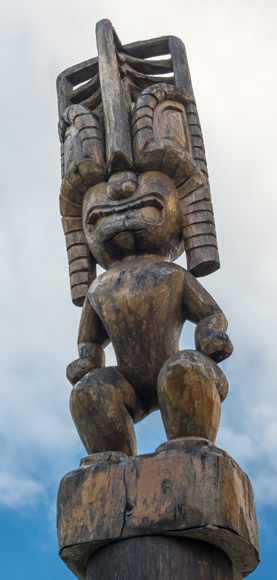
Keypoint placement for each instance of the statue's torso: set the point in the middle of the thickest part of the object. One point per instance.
(140, 305)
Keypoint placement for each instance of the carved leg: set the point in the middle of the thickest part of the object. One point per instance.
(190, 389)
(101, 404)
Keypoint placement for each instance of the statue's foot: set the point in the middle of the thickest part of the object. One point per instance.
(190, 389)
(100, 457)
(182, 442)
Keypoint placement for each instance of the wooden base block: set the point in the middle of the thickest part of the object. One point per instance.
(194, 491)
(157, 557)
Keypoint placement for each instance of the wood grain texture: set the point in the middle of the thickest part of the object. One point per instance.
(132, 226)
(133, 217)
(197, 492)
(118, 138)
(134, 195)
(166, 137)
(190, 389)
(159, 558)
(82, 166)
(180, 65)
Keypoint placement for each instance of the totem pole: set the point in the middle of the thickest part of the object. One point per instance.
(134, 196)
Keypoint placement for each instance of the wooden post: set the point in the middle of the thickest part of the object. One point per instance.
(159, 557)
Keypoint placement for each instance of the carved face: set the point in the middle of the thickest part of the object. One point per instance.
(133, 215)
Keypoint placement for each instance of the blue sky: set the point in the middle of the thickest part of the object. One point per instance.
(232, 52)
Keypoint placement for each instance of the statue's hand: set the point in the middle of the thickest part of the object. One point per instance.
(211, 340)
(78, 369)
(91, 357)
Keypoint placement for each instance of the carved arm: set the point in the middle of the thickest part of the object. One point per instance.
(92, 340)
(210, 333)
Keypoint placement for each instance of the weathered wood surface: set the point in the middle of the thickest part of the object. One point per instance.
(118, 138)
(134, 196)
(160, 558)
(144, 324)
(111, 87)
(195, 491)
(133, 227)
(132, 199)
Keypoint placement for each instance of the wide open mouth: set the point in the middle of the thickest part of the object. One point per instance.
(151, 209)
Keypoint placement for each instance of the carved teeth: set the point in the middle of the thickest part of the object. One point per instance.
(104, 213)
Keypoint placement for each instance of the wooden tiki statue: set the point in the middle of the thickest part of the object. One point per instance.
(134, 196)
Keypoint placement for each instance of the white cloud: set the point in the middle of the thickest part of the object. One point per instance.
(16, 492)
(232, 54)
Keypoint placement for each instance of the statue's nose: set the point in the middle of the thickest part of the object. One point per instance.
(123, 184)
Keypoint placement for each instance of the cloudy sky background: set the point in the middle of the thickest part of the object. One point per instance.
(231, 47)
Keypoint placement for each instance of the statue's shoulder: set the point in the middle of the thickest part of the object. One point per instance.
(153, 275)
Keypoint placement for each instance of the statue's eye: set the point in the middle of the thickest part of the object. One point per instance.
(92, 219)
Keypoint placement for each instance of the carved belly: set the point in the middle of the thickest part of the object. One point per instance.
(142, 315)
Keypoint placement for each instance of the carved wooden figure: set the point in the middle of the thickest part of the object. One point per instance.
(134, 196)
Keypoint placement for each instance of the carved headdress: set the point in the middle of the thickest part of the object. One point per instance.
(132, 107)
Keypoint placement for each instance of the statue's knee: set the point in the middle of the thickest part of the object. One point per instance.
(192, 367)
(103, 389)
(190, 389)
(92, 387)
(102, 404)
